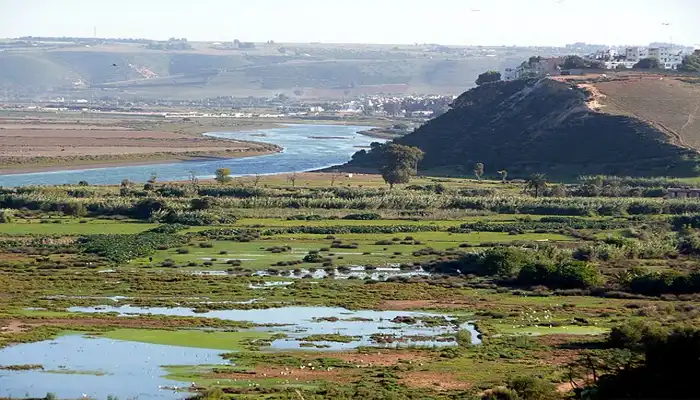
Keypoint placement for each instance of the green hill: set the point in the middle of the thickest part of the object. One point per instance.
(540, 126)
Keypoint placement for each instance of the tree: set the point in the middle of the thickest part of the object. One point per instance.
(691, 62)
(223, 175)
(151, 182)
(256, 180)
(536, 184)
(574, 62)
(83, 183)
(647, 63)
(292, 179)
(479, 170)
(488, 77)
(194, 181)
(334, 176)
(399, 163)
(504, 174)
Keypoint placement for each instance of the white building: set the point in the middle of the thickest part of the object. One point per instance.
(668, 58)
(634, 54)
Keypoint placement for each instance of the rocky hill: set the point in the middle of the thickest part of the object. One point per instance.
(545, 126)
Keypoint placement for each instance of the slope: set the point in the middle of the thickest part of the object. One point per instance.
(541, 126)
(135, 71)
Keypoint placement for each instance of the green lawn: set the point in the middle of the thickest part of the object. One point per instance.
(232, 341)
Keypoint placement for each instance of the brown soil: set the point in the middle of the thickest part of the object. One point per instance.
(423, 304)
(46, 144)
(434, 380)
(13, 327)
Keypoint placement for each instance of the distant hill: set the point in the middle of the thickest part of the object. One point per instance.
(555, 127)
(132, 70)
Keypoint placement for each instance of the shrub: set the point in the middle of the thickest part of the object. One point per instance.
(463, 338)
(202, 203)
(363, 217)
(504, 261)
(6, 216)
(499, 393)
(531, 388)
(313, 258)
(145, 207)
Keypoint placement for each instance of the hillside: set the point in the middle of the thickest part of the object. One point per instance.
(546, 126)
(297, 70)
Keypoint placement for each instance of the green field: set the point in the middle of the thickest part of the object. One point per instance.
(543, 280)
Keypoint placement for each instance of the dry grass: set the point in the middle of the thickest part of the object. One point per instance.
(667, 102)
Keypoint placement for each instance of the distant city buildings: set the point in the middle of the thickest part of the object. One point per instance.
(609, 58)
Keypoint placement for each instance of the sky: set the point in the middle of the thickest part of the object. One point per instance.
(448, 22)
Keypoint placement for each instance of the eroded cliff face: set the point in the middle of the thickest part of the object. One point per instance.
(545, 126)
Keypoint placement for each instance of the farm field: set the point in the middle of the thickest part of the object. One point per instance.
(260, 289)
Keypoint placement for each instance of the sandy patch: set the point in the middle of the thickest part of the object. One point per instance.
(14, 327)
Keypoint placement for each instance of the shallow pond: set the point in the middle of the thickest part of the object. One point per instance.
(301, 322)
(76, 365)
(302, 152)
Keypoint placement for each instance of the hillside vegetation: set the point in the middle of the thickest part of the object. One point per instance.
(544, 126)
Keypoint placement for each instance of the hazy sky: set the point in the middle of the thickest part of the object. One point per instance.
(522, 22)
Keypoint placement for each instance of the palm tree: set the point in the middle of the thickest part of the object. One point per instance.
(537, 183)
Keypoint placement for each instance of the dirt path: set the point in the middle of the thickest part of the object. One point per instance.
(13, 327)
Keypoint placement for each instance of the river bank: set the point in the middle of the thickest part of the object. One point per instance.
(288, 148)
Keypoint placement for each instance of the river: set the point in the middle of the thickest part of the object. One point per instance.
(306, 148)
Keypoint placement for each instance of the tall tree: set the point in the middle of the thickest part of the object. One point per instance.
(399, 163)
(536, 184)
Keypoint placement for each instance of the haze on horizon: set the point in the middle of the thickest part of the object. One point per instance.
(450, 22)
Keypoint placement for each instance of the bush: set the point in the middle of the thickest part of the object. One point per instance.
(203, 203)
(463, 338)
(6, 216)
(145, 207)
(313, 258)
(363, 217)
(500, 393)
(531, 388)
(504, 261)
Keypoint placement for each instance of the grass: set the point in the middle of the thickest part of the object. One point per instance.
(72, 227)
(254, 256)
(232, 341)
(556, 330)
(201, 375)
